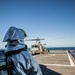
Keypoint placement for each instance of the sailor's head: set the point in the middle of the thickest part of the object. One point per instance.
(14, 34)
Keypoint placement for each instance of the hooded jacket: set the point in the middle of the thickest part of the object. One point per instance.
(22, 61)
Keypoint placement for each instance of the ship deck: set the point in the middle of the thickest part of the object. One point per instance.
(56, 63)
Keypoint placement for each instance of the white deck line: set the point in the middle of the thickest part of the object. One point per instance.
(35, 55)
(45, 56)
(58, 65)
(71, 62)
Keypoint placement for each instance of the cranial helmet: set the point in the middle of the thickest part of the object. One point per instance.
(14, 33)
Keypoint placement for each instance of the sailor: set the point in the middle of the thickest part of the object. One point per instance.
(22, 62)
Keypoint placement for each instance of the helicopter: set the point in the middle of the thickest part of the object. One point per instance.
(38, 47)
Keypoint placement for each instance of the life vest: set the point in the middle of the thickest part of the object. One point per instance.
(3, 64)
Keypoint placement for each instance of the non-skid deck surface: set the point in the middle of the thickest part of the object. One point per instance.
(56, 63)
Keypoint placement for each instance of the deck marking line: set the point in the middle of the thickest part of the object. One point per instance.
(35, 55)
(58, 65)
(43, 56)
(71, 62)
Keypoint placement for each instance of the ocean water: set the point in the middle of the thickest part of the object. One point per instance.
(55, 48)
(60, 48)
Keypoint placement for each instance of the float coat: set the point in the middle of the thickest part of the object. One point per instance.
(23, 62)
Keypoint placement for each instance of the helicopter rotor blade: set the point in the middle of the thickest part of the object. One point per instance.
(34, 39)
(29, 40)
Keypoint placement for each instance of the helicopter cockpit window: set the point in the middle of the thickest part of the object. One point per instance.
(36, 46)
